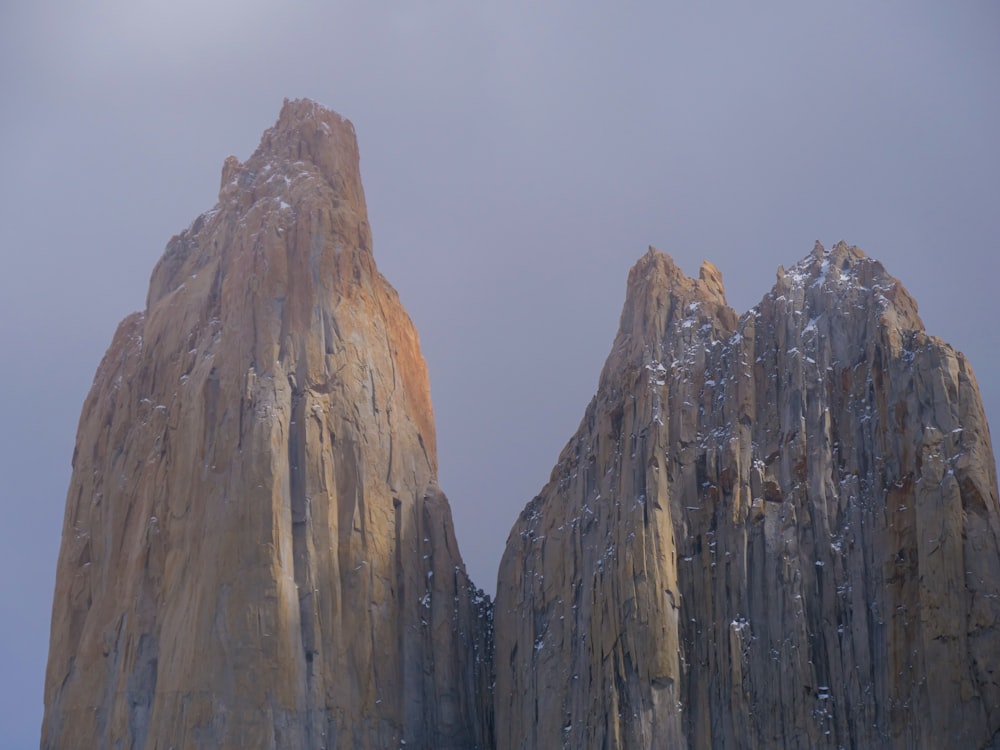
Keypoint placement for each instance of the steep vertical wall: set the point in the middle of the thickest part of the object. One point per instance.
(255, 550)
(780, 530)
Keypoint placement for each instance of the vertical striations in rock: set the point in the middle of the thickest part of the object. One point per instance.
(255, 550)
(780, 530)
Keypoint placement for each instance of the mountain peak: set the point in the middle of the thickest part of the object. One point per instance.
(254, 527)
(845, 277)
(302, 181)
(755, 525)
(310, 147)
(659, 296)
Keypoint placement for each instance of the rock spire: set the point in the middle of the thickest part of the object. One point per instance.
(255, 550)
(774, 530)
(779, 530)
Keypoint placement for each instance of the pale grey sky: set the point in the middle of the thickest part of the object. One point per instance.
(517, 160)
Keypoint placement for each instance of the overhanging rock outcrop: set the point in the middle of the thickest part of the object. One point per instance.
(255, 551)
(777, 530)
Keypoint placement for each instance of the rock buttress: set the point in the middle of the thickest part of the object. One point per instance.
(255, 550)
(776, 531)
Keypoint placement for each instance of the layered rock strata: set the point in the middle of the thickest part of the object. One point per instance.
(255, 551)
(777, 530)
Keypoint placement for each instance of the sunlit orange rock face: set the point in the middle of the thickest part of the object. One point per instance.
(256, 553)
(774, 530)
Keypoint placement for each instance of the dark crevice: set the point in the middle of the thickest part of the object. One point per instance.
(300, 512)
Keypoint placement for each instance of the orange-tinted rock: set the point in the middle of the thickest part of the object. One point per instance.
(777, 530)
(255, 551)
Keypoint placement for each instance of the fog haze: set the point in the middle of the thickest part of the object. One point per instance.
(516, 160)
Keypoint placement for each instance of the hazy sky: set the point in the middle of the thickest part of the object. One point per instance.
(517, 160)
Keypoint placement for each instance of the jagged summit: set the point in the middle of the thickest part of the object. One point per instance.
(303, 178)
(780, 530)
(845, 272)
(308, 140)
(658, 295)
(830, 282)
(657, 269)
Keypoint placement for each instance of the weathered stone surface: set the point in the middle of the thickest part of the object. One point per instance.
(255, 552)
(780, 530)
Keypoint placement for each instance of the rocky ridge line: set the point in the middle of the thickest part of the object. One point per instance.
(779, 530)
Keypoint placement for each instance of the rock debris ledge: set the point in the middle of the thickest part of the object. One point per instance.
(255, 551)
(779, 530)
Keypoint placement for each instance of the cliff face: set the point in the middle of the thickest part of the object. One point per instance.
(780, 530)
(255, 550)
